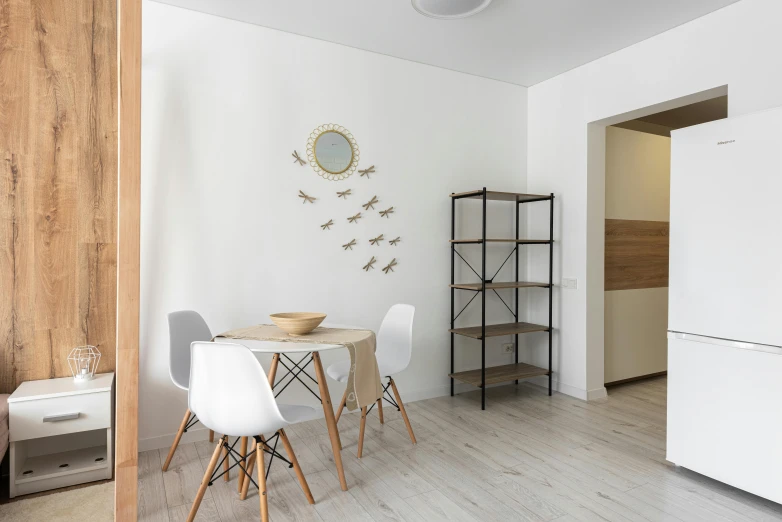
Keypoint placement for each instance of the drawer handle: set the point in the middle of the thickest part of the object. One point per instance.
(61, 417)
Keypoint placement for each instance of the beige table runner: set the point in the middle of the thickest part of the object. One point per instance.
(364, 387)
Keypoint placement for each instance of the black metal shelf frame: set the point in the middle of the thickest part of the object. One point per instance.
(485, 281)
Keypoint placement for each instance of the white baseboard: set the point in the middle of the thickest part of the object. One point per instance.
(199, 433)
(578, 393)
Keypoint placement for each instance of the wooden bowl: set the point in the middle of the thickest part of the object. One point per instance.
(298, 323)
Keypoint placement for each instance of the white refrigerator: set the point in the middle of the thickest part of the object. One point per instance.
(725, 302)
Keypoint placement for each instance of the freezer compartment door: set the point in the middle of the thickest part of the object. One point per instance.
(724, 414)
(726, 229)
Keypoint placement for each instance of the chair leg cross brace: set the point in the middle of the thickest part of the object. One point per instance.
(261, 446)
(395, 401)
(241, 461)
(295, 376)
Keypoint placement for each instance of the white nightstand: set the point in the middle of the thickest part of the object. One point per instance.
(61, 433)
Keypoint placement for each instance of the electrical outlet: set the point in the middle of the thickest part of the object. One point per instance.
(569, 283)
(508, 347)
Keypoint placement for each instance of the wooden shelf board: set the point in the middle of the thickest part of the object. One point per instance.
(519, 241)
(495, 330)
(497, 374)
(496, 286)
(492, 195)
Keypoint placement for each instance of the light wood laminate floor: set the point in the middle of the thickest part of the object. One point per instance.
(527, 457)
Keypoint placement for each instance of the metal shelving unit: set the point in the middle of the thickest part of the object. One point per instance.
(509, 372)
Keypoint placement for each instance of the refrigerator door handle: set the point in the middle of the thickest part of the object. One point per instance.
(777, 350)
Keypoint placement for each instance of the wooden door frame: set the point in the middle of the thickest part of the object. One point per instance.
(128, 258)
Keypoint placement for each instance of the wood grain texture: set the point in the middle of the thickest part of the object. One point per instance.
(494, 330)
(58, 185)
(636, 254)
(498, 374)
(128, 258)
(528, 457)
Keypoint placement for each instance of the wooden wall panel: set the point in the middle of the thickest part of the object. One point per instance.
(636, 254)
(58, 185)
(128, 261)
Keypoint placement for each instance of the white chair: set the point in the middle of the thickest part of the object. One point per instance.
(230, 393)
(184, 328)
(394, 349)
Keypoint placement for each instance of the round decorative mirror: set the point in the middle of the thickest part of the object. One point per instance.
(333, 152)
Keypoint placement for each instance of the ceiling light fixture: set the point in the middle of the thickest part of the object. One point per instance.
(450, 9)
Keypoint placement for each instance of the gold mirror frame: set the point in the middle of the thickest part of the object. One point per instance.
(315, 164)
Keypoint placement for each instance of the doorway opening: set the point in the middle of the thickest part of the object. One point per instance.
(637, 205)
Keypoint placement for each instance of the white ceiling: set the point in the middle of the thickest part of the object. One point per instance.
(517, 41)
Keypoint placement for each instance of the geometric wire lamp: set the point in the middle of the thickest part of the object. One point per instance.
(83, 362)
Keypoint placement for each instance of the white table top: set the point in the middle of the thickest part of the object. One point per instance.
(66, 386)
(290, 347)
(282, 347)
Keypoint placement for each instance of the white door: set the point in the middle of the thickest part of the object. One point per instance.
(724, 419)
(726, 229)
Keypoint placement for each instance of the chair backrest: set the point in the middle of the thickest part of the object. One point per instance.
(395, 338)
(184, 328)
(229, 391)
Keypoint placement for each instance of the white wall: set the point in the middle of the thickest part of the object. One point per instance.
(737, 46)
(224, 105)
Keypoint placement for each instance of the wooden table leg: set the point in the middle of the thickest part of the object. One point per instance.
(273, 369)
(380, 409)
(331, 423)
(243, 453)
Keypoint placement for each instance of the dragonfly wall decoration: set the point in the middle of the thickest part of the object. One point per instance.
(369, 265)
(297, 158)
(306, 198)
(370, 204)
(367, 172)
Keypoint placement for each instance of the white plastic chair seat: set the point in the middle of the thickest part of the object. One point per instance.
(293, 413)
(339, 371)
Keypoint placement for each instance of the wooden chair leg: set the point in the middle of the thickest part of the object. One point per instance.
(211, 436)
(249, 468)
(243, 453)
(205, 482)
(261, 482)
(176, 440)
(361, 431)
(296, 467)
(380, 409)
(226, 464)
(402, 409)
(342, 404)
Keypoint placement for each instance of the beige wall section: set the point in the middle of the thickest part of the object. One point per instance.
(637, 188)
(638, 175)
(636, 322)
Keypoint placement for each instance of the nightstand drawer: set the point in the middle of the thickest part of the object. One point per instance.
(32, 419)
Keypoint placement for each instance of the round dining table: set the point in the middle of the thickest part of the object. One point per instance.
(295, 356)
